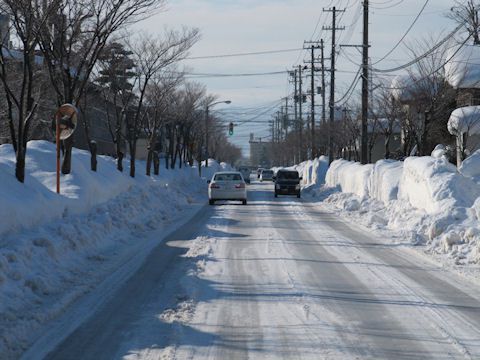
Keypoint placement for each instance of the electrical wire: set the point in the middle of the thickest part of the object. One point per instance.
(242, 54)
(349, 92)
(404, 35)
(387, 7)
(212, 75)
(427, 53)
(433, 72)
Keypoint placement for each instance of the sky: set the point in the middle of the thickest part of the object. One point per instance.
(245, 26)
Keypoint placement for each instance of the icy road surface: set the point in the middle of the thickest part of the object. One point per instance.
(281, 279)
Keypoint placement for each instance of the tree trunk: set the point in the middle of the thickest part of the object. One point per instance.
(93, 157)
(149, 162)
(120, 156)
(171, 151)
(20, 163)
(132, 167)
(132, 159)
(67, 155)
(156, 163)
(387, 145)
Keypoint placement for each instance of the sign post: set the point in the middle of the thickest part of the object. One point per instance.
(65, 124)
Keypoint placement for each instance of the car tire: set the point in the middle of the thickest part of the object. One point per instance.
(211, 202)
(244, 202)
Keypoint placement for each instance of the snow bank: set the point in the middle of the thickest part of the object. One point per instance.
(471, 167)
(427, 183)
(464, 120)
(314, 171)
(384, 180)
(422, 200)
(435, 186)
(55, 248)
(213, 167)
(462, 70)
(350, 177)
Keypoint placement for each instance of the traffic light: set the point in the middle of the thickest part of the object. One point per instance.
(230, 129)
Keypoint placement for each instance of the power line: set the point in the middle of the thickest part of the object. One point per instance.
(212, 75)
(433, 72)
(427, 53)
(387, 7)
(242, 54)
(405, 34)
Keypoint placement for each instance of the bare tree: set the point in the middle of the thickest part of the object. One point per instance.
(159, 96)
(73, 38)
(431, 96)
(20, 72)
(116, 78)
(466, 13)
(152, 55)
(390, 112)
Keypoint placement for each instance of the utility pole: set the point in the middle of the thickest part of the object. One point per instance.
(331, 104)
(322, 62)
(286, 117)
(363, 155)
(312, 103)
(295, 99)
(206, 137)
(313, 45)
(300, 102)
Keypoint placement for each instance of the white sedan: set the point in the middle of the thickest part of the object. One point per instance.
(227, 185)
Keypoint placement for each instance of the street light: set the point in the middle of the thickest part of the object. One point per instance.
(206, 125)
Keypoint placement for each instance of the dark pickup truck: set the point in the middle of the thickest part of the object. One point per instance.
(287, 182)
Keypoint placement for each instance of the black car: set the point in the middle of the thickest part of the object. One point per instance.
(287, 182)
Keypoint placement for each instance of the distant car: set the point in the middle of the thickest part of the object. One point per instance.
(227, 185)
(245, 171)
(287, 182)
(266, 175)
(259, 171)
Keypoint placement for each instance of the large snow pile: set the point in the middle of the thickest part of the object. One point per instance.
(384, 180)
(314, 171)
(25, 205)
(471, 167)
(434, 185)
(464, 120)
(350, 177)
(462, 69)
(422, 200)
(55, 248)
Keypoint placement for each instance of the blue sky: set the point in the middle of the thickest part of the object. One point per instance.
(229, 26)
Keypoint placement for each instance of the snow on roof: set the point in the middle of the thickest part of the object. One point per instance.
(463, 68)
(465, 120)
(403, 87)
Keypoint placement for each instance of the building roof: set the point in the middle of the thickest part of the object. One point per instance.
(462, 69)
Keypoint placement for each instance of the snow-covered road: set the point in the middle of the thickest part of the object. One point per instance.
(282, 278)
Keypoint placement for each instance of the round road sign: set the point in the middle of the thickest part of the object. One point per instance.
(66, 117)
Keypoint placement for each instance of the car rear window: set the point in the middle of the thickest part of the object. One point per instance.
(288, 175)
(228, 177)
(267, 172)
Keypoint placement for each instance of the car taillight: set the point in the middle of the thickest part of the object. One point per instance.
(214, 186)
(240, 186)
